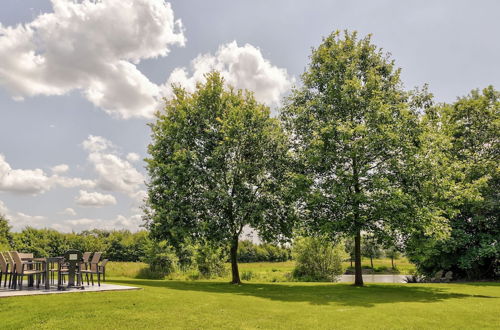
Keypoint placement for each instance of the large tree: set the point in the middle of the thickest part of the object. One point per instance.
(355, 134)
(216, 166)
(465, 137)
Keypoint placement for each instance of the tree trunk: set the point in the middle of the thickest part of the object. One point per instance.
(234, 262)
(358, 277)
(371, 261)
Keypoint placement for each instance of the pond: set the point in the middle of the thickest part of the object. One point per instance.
(371, 278)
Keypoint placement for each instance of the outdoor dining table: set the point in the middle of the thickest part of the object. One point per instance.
(47, 262)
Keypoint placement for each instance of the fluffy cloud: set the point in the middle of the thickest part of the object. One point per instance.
(22, 181)
(34, 181)
(92, 46)
(94, 199)
(19, 220)
(242, 67)
(132, 223)
(68, 211)
(113, 172)
(133, 157)
(59, 169)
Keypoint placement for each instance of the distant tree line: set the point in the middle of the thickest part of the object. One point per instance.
(123, 245)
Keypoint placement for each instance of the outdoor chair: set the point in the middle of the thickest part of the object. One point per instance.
(6, 269)
(93, 269)
(437, 277)
(448, 276)
(9, 261)
(85, 263)
(26, 256)
(102, 269)
(20, 270)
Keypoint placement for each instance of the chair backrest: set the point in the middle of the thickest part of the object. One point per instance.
(17, 261)
(104, 262)
(3, 263)
(448, 275)
(95, 260)
(96, 257)
(86, 256)
(438, 275)
(8, 258)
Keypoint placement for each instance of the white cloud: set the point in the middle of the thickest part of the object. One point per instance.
(34, 181)
(68, 211)
(132, 223)
(3, 208)
(67, 182)
(22, 181)
(133, 157)
(19, 220)
(242, 67)
(94, 199)
(113, 172)
(59, 169)
(92, 46)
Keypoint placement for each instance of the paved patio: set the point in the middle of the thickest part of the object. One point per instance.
(4, 292)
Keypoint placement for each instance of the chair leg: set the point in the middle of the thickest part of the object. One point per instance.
(92, 278)
(99, 278)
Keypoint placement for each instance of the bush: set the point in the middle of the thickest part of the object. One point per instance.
(161, 259)
(318, 259)
(247, 275)
(210, 261)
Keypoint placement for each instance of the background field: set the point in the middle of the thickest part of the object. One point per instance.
(263, 271)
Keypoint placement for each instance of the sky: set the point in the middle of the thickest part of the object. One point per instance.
(80, 81)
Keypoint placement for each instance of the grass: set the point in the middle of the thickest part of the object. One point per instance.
(262, 271)
(216, 304)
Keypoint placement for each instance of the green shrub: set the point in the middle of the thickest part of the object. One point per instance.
(161, 259)
(247, 275)
(318, 259)
(210, 261)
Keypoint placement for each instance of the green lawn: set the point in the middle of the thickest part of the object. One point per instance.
(216, 304)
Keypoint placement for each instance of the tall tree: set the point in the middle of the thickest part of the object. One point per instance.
(215, 167)
(465, 135)
(355, 135)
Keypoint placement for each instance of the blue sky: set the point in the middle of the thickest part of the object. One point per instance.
(79, 81)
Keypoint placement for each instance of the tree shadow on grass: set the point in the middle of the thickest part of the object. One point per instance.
(317, 294)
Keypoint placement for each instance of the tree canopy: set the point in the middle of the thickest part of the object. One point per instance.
(216, 166)
(464, 138)
(356, 137)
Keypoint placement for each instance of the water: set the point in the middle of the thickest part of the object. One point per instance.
(370, 278)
